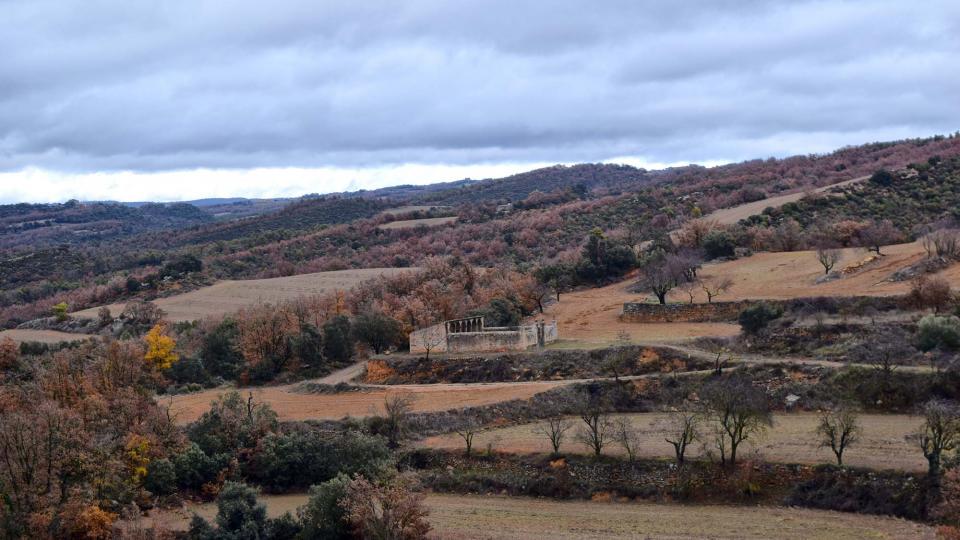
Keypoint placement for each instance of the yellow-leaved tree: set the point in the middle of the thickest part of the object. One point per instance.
(160, 347)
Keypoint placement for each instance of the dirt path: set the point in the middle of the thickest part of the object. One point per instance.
(293, 406)
(884, 444)
(344, 375)
(462, 517)
(732, 215)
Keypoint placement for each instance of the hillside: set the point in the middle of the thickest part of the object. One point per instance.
(73, 222)
(554, 210)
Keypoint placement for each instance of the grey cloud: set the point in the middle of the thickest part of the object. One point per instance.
(109, 85)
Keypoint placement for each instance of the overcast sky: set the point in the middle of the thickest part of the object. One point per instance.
(175, 100)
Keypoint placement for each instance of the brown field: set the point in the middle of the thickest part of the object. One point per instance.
(411, 223)
(42, 336)
(461, 517)
(292, 406)
(229, 296)
(592, 315)
(884, 444)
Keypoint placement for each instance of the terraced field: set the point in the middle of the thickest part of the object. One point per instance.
(229, 296)
(468, 517)
(884, 444)
(41, 336)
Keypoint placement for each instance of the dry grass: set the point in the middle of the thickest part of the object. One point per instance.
(785, 275)
(473, 517)
(592, 315)
(42, 336)
(461, 517)
(292, 406)
(411, 223)
(229, 296)
(791, 440)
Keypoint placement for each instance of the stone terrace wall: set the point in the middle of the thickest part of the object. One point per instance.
(657, 313)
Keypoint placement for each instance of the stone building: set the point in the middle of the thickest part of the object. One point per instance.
(472, 335)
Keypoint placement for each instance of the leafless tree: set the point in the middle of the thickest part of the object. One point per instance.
(555, 429)
(942, 243)
(397, 408)
(433, 338)
(627, 436)
(662, 273)
(839, 428)
(689, 288)
(618, 360)
(715, 286)
(939, 433)
(828, 258)
(682, 431)
(595, 431)
(879, 234)
(739, 411)
(467, 431)
(930, 293)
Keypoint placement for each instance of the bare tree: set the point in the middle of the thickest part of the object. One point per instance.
(879, 234)
(689, 288)
(618, 360)
(555, 429)
(739, 411)
(627, 436)
(660, 273)
(939, 433)
(839, 428)
(942, 243)
(432, 338)
(719, 362)
(397, 408)
(595, 431)
(828, 258)
(681, 432)
(715, 286)
(467, 431)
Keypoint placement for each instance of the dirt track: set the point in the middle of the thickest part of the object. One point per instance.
(292, 406)
(729, 216)
(411, 223)
(884, 444)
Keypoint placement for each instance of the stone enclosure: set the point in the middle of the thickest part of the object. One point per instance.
(471, 335)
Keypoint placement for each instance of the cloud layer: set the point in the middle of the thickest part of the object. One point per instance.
(363, 88)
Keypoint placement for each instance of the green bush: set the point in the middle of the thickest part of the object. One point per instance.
(938, 332)
(322, 517)
(161, 477)
(338, 339)
(193, 467)
(239, 516)
(718, 244)
(232, 424)
(300, 459)
(219, 350)
(756, 317)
